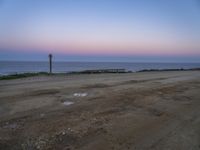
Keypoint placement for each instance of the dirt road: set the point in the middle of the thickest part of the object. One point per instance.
(137, 111)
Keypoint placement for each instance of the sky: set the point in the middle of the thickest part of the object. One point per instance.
(100, 30)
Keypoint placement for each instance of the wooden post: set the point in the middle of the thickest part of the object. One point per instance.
(50, 63)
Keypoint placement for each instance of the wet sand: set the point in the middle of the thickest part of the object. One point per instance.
(137, 111)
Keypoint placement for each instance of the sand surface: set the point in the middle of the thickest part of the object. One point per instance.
(141, 111)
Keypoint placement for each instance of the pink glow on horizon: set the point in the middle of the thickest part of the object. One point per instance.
(103, 47)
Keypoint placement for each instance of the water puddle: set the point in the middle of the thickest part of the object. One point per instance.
(67, 103)
(80, 94)
(11, 126)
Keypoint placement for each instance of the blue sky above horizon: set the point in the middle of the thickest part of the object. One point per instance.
(100, 30)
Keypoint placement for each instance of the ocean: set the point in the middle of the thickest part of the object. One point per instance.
(13, 67)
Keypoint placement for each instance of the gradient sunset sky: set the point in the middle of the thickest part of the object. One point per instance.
(100, 30)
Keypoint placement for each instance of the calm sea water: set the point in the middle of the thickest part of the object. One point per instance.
(12, 67)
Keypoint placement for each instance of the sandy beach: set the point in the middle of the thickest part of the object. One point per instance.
(137, 111)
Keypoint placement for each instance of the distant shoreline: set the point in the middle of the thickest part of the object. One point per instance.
(10, 68)
(98, 71)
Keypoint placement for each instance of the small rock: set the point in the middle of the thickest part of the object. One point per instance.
(42, 115)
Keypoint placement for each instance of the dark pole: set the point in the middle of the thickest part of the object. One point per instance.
(50, 63)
